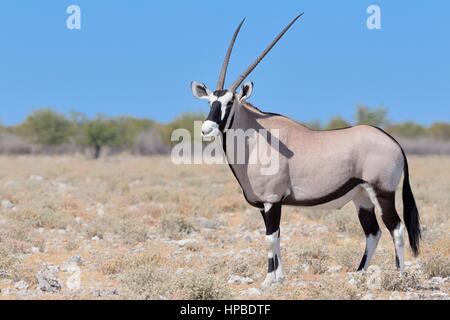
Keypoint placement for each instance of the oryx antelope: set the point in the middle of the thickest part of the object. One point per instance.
(362, 164)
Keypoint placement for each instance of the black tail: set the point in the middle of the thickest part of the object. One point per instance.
(410, 212)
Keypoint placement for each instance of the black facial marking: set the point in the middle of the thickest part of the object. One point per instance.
(220, 93)
(215, 113)
(363, 262)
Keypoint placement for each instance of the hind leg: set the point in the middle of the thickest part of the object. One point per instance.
(369, 223)
(393, 223)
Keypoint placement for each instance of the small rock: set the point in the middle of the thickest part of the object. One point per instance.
(73, 264)
(75, 260)
(4, 274)
(355, 279)
(184, 242)
(36, 178)
(47, 279)
(305, 267)
(321, 228)
(95, 238)
(335, 269)
(6, 204)
(437, 280)
(21, 285)
(300, 283)
(179, 271)
(248, 237)
(251, 292)
(374, 278)
(35, 250)
(7, 291)
(235, 279)
(74, 281)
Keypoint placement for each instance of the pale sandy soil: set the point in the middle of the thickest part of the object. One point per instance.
(125, 216)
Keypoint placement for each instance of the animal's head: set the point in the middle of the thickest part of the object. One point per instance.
(221, 100)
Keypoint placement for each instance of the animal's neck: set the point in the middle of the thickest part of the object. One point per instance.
(244, 118)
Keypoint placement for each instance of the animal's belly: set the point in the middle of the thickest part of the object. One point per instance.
(332, 200)
(339, 202)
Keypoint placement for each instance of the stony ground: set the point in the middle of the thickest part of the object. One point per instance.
(142, 228)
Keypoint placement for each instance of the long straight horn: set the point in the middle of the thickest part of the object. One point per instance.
(244, 75)
(223, 72)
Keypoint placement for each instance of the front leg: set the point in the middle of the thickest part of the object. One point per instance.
(272, 216)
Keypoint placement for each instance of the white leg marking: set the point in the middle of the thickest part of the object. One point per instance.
(371, 246)
(274, 251)
(372, 196)
(399, 243)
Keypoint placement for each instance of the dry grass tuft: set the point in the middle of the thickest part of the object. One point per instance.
(392, 281)
(176, 227)
(437, 266)
(314, 255)
(200, 286)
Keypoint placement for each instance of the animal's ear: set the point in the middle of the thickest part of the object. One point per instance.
(200, 90)
(246, 92)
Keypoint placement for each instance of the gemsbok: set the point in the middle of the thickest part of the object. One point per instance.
(329, 169)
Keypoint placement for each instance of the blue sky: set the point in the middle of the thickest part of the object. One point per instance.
(138, 57)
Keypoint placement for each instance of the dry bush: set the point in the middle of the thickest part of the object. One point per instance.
(348, 257)
(140, 275)
(45, 217)
(18, 239)
(175, 227)
(331, 289)
(393, 281)
(314, 255)
(200, 286)
(12, 144)
(11, 267)
(343, 221)
(130, 231)
(425, 146)
(150, 143)
(114, 265)
(437, 266)
(144, 281)
(7, 262)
